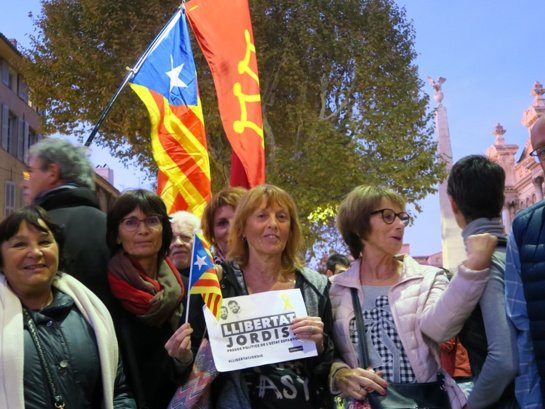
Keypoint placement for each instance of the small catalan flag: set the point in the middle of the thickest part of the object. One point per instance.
(203, 278)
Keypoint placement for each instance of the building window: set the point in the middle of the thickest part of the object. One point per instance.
(22, 134)
(22, 88)
(32, 138)
(9, 76)
(9, 198)
(4, 129)
(4, 68)
(13, 130)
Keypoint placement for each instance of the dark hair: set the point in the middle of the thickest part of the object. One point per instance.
(354, 213)
(32, 216)
(335, 259)
(477, 184)
(150, 204)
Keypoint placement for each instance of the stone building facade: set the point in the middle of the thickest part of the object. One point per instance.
(524, 176)
(19, 129)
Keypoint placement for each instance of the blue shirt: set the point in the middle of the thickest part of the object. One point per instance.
(527, 382)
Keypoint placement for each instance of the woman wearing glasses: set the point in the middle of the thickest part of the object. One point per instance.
(150, 291)
(402, 302)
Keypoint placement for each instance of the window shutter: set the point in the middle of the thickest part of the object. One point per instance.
(5, 126)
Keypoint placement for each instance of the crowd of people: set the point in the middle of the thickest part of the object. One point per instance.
(92, 304)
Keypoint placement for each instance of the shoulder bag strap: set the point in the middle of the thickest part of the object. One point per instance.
(360, 328)
(57, 397)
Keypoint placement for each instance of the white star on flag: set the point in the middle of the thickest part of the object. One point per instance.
(201, 261)
(174, 75)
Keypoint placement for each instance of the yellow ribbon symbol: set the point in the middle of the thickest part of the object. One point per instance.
(287, 302)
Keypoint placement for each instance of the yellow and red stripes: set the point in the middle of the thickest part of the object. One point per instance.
(180, 150)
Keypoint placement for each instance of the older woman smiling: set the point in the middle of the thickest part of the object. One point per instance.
(59, 341)
(404, 305)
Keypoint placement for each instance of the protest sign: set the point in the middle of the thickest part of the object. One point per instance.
(254, 330)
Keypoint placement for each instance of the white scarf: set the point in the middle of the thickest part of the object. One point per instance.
(12, 340)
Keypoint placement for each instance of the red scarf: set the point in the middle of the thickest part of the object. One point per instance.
(153, 300)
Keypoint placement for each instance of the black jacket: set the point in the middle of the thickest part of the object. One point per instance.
(69, 346)
(150, 370)
(314, 288)
(85, 253)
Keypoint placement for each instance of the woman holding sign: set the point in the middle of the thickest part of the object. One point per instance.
(401, 306)
(150, 291)
(265, 243)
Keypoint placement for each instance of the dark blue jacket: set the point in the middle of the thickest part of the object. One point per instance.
(70, 348)
(529, 233)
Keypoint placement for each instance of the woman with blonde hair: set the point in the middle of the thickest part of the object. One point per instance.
(265, 246)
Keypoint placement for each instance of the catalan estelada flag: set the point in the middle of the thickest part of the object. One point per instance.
(203, 278)
(224, 32)
(167, 84)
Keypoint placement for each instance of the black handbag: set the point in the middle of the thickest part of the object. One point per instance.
(432, 395)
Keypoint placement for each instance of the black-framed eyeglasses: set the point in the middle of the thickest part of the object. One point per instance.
(389, 216)
(538, 154)
(132, 223)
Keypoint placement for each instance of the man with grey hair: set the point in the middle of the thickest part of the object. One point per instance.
(61, 181)
(184, 226)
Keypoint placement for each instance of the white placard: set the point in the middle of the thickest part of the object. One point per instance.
(255, 330)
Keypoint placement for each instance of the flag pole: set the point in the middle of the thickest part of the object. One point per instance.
(130, 74)
(190, 277)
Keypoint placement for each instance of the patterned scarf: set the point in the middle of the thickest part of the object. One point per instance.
(152, 301)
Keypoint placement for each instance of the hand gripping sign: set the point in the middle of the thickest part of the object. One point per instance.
(254, 330)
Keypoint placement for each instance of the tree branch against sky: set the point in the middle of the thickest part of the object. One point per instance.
(342, 101)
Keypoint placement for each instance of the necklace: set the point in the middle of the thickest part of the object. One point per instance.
(283, 281)
(286, 277)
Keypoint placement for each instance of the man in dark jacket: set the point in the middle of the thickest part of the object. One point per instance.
(61, 181)
(525, 288)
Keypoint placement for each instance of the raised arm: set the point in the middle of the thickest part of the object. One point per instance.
(449, 305)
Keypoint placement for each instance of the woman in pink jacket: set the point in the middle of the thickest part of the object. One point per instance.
(407, 308)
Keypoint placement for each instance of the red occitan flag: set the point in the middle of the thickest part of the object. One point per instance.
(223, 30)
